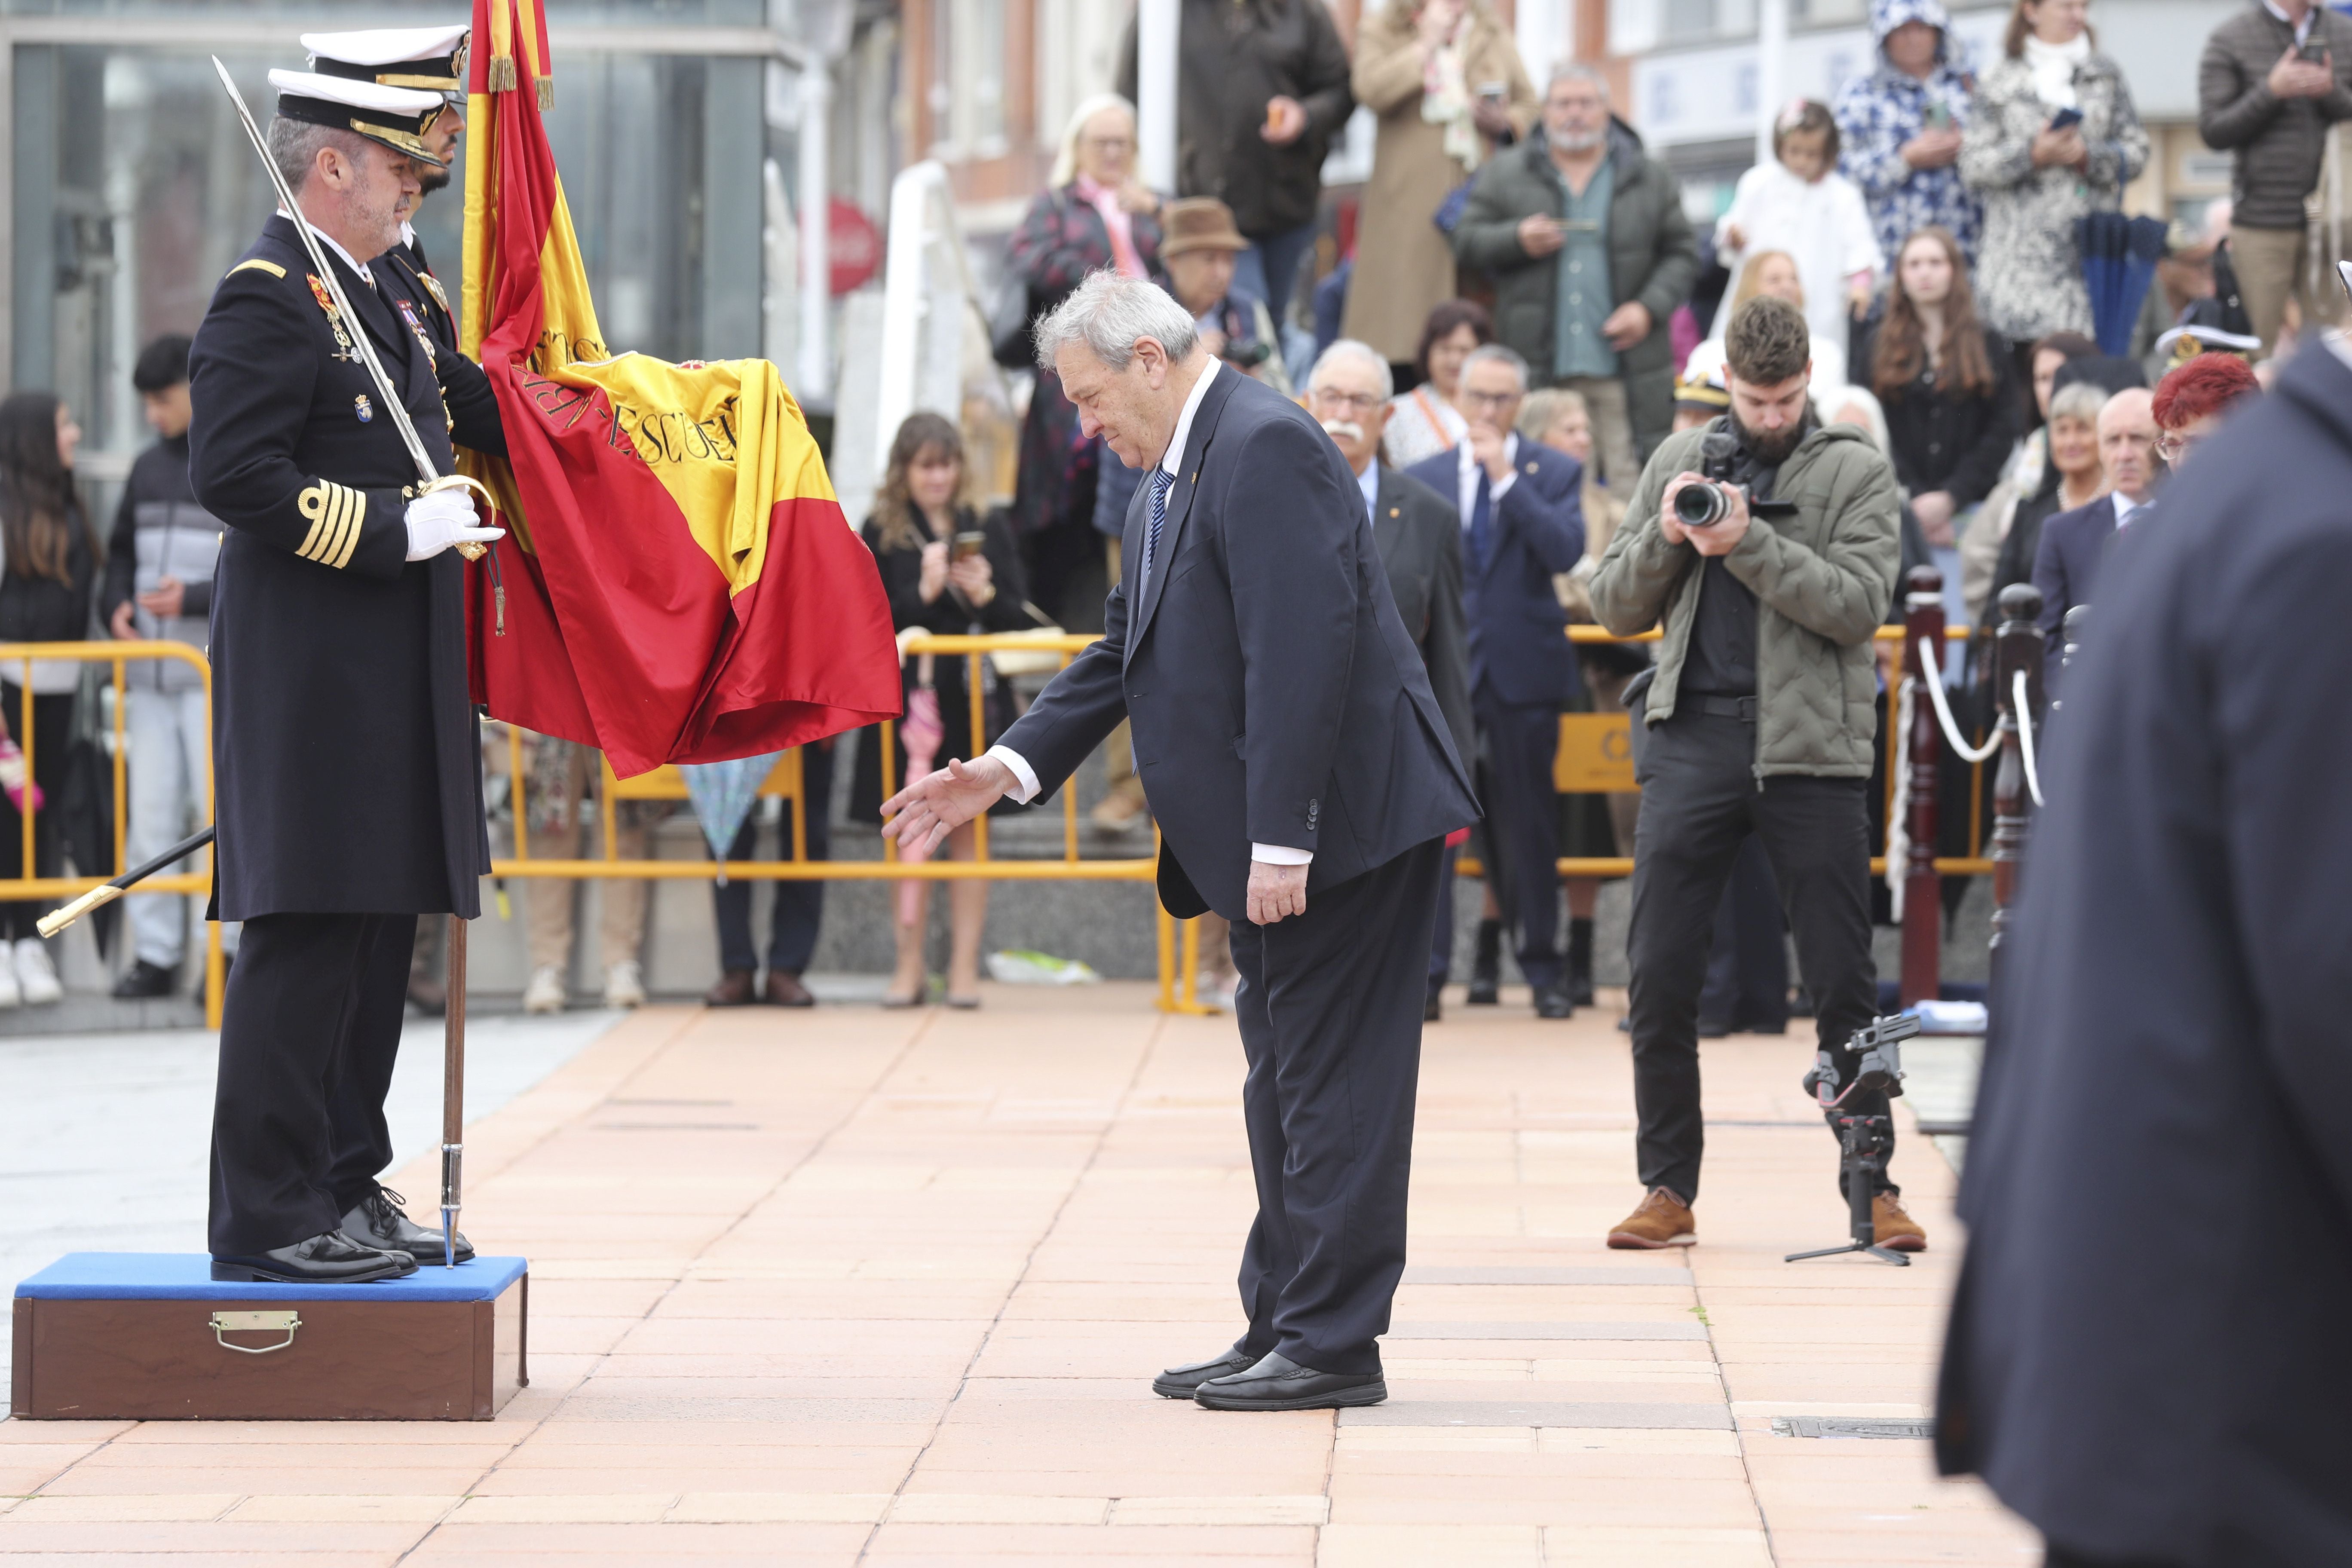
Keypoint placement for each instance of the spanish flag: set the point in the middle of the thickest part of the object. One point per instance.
(679, 583)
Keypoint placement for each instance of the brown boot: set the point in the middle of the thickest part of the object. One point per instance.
(1662, 1220)
(733, 989)
(785, 990)
(1893, 1229)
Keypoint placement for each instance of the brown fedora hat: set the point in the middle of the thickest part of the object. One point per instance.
(1198, 223)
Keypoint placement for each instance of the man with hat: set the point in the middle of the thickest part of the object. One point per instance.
(1198, 243)
(346, 757)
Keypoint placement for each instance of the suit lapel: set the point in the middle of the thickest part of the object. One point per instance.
(1388, 525)
(1179, 500)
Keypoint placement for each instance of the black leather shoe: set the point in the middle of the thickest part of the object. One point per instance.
(1580, 990)
(1485, 991)
(378, 1222)
(330, 1257)
(1278, 1382)
(145, 982)
(1434, 1009)
(1179, 1381)
(1553, 1002)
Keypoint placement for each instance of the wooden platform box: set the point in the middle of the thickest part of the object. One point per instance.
(150, 1336)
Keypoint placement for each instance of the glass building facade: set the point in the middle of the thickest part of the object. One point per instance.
(132, 187)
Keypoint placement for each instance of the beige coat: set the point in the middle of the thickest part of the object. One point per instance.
(1404, 265)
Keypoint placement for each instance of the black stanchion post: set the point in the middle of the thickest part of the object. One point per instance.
(1923, 750)
(2017, 651)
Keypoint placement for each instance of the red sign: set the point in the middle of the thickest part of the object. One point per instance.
(852, 244)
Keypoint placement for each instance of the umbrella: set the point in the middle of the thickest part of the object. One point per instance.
(2119, 258)
(722, 795)
(921, 733)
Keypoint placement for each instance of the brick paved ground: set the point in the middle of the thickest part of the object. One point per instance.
(884, 1287)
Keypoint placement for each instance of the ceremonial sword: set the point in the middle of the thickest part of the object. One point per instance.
(453, 1073)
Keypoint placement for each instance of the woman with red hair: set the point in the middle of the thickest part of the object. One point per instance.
(2192, 399)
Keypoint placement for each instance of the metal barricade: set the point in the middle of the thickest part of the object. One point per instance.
(22, 657)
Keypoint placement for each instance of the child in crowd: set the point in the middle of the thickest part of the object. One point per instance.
(1802, 206)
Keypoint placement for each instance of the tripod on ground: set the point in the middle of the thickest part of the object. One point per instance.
(1865, 1142)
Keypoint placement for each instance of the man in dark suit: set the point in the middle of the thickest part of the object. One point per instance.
(1301, 772)
(346, 757)
(1419, 542)
(1521, 521)
(2146, 1355)
(2074, 543)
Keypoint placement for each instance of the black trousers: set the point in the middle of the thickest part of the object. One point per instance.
(1521, 744)
(1747, 966)
(798, 908)
(309, 1027)
(1700, 800)
(1330, 1006)
(52, 743)
(2059, 1557)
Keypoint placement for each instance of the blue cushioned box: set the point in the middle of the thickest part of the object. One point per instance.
(149, 1336)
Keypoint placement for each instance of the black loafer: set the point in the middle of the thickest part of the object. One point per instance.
(330, 1257)
(1485, 990)
(1278, 1382)
(377, 1221)
(1553, 1002)
(144, 981)
(1179, 1381)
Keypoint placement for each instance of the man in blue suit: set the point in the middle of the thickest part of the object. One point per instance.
(2074, 543)
(1303, 777)
(1521, 522)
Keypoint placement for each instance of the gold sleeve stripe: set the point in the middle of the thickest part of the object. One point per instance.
(258, 265)
(335, 514)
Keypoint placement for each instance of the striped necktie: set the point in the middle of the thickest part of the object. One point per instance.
(1160, 482)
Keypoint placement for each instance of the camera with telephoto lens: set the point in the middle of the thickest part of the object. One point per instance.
(1707, 503)
(1246, 356)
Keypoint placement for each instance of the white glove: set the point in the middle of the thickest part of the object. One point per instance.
(445, 518)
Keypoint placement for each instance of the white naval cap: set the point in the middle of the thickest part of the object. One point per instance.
(396, 116)
(433, 58)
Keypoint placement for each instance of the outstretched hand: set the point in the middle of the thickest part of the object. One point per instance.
(936, 805)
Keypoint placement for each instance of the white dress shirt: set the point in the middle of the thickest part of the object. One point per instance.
(328, 241)
(1466, 490)
(1369, 481)
(2125, 508)
(1171, 463)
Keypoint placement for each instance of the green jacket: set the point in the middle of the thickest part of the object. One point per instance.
(1822, 582)
(1652, 257)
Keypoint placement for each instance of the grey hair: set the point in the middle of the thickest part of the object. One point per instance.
(2079, 400)
(1837, 400)
(1578, 70)
(1356, 349)
(294, 147)
(1495, 353)
(1111, 314)
(1547, 408)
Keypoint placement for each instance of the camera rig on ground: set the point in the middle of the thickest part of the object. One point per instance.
(1865, 1142)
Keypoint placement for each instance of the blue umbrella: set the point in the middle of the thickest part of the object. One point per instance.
(2119, 258)
(723, 794)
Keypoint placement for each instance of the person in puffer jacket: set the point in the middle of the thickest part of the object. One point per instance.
(159, 586)
(1899, 127)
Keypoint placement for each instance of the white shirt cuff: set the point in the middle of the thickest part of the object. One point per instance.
(1025, 776)
(1280, 855)
(1497, 489)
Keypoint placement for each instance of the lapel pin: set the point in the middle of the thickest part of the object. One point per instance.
(361, 405)
(1531, 467)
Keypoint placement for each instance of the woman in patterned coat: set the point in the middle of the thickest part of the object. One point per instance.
(1095, 214)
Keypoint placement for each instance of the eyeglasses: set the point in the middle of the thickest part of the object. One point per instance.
(1491, 399)
(2173, 448)
(1354, 402)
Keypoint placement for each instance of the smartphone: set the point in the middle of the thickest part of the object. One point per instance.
(968, 544)
(1938, 117)
(1493, 91)
(2067, 119)
(2313, 54)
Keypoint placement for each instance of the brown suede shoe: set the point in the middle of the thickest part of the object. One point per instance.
(733, 989)
(1893, 1229)
(1662, 1220)
(785, 990)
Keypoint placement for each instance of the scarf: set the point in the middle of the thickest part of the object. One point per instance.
(1118, 221)
(1445, 100)
(2053, 67)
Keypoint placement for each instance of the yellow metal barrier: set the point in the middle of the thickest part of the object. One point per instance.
(119, 655)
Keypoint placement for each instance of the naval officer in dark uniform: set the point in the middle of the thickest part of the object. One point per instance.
(346, 760)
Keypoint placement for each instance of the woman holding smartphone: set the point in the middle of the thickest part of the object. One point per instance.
(2052, 137)
(948, 569)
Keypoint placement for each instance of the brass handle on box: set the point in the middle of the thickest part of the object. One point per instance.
(226, 1323)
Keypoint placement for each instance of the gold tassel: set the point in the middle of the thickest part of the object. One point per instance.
(546, 93)
(502, 73)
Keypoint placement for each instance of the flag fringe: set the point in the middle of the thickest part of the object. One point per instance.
(546, 93)
(502, 73)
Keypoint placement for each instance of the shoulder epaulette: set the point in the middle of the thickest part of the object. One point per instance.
(258, 264)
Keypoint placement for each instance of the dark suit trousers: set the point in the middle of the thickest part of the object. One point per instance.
(798, 907)
(1329, 1007)
(310, 1028)
(1699, 803)
(1521, 744)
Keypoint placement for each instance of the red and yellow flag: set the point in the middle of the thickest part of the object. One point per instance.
(679, 584)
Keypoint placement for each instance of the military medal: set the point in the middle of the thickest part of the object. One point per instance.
(343, 348)
(408, 314)
(361, 406)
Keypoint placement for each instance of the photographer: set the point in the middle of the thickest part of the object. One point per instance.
(1198, 248)
(1766, 546)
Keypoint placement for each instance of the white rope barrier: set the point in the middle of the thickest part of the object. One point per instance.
(2025, 737)
(1899, 810)
(1969, 754)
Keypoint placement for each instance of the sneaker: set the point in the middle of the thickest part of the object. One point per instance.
(545, 994)
(36, 977)
(1662, 1220)
(624, 985)
(1893, 1229)
(146, 981)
